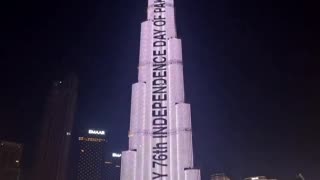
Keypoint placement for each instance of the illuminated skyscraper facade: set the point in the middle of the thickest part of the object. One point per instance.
(160, 137)
(92, 150)
(55, 139)
(10, 160)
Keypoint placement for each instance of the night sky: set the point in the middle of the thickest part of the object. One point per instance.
(250, 70)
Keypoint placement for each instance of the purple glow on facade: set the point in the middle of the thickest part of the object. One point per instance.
(160, 137)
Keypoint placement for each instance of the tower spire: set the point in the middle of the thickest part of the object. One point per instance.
(160, 136)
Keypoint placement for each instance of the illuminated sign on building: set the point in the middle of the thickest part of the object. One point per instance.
(116, 155)
(97, 132)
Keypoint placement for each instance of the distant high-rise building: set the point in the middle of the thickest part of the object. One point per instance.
(92, 150)
(10, 160)
(55, 139)
(258, 178)
(112, 165)
(219, 176)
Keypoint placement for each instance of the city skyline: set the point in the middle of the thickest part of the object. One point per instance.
(250, 71)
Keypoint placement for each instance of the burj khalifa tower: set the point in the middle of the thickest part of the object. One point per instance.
(160, 136)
